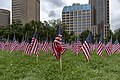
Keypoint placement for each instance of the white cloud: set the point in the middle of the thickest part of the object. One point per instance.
(115, 14)
(47, 7)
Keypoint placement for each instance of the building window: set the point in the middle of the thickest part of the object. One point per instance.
(83, 10)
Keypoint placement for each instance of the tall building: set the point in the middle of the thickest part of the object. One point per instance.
(77, 18)
(26, 10)
(19, 10)
(33, 10)
(100, 15)
(4, 17)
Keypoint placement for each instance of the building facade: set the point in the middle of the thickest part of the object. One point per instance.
(100, 15)
(4, 17)
(26, 10)
(33, 10)
(77, 18)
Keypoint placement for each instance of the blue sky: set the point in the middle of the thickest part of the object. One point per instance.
(51, 9)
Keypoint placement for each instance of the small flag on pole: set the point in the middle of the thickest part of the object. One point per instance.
(116, 46)
(100, 45)
(34, 45)
(56, 46)
(45, 46)
(14, 44)
(86, 47)
(108, 47)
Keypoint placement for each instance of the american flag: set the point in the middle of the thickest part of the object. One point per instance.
(77, 47)
(26, 46)
(51, 49)
(14, 44)
(7, 45)
(94, 47)
(86, 47)
(64, 47)
(108, 47)
(116, 46)
(39, 45)
(118, 49)
(72, 47)
(22, 46)
(18, 47)
(2, 45)
(34, 45)
(68, 46)
(100, 45)
(57, 42)
(45, 46)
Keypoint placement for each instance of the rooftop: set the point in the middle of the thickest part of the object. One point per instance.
(76, 6)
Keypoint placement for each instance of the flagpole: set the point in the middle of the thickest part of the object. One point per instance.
(47, 39)
(37, 54)
(37, 59)
(59, 52)
(8, 44)
(111, 45)
(90, 48)
(61, 62)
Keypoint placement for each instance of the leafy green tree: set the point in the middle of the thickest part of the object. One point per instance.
(116, 35)
(110, 34)
(84, 35)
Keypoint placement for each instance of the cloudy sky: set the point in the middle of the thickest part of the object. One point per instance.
(51, 9)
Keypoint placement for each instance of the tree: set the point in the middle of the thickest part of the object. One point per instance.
(84, 35)
(117, 35)
(109, 36)
(43, 29)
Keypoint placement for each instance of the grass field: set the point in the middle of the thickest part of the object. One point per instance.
(17, 66)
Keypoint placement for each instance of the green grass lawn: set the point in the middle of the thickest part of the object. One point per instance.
(17, 66)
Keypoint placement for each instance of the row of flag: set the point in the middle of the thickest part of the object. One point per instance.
(58, 47)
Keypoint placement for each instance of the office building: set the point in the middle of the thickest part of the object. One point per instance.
(100, 15)
(26, 10)
(4, 17)
(77, 18)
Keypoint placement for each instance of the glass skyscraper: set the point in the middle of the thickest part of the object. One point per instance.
(100, 15)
